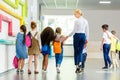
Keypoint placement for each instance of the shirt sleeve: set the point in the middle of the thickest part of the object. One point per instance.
(87, 31)
(74, 30)
(104, 35)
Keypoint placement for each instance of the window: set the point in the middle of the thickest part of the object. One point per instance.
(66, 22)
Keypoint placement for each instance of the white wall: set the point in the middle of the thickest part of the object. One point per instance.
(7, 52)
(96, 18)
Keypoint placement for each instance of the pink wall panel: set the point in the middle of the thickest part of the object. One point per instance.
(9, 21)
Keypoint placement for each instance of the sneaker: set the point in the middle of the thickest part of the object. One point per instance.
(80, 70)
(21, 71)
(44, 71)
(110, 66)
(104, 67)
(18, 71)
(58, 70)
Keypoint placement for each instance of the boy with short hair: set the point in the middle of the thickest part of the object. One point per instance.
(106, 46)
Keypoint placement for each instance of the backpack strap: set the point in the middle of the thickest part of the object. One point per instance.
(108, 35)
(35, 34)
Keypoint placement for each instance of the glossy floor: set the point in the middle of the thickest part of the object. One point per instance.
(92, 71)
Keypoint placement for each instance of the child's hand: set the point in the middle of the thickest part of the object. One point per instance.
(66, 37)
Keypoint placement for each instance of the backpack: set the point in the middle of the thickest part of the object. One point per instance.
(57, 47)
(28, 40)
(45, 49)
(118, 45)
(15, 62)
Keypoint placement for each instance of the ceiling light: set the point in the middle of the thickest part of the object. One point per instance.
(105, 2)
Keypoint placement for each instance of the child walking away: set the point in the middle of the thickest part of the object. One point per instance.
(84, 54)
(34, 49)
(106, 46)
(113, 51)
(47, 36)
(118, 48)
(21, 51)
(58, 48)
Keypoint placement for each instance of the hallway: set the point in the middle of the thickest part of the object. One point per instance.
(92, 71)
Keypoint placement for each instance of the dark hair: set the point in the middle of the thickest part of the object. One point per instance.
(113, 32)
(33, 25)
(23, 28)
(105, 26)
(47, 36)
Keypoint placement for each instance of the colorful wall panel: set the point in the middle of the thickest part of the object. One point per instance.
(7, 10)
(9, 21)
(16, 6)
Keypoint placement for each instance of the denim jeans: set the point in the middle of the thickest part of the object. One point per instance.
(78, 43)
(106, 49)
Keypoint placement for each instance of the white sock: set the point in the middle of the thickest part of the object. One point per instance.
(80, 63)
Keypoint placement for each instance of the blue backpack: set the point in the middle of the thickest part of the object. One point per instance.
(45, 49)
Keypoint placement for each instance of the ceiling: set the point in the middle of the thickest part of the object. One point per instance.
(82, 4)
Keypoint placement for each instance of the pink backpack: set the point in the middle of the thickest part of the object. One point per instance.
(28, 40)
(15, 62)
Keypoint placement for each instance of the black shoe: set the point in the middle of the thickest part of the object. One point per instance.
(77, 70)
(104, 67)
(80, 69)
(110, 65)
(18, 71)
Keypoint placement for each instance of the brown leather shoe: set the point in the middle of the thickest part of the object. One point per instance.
(36, 72)
(29, 72)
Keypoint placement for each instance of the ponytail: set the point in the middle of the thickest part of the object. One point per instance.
(24, 37)
(23, 28)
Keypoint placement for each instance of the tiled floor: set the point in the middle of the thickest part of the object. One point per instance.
(93, 71)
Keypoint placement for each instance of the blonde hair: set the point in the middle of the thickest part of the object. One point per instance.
(78, 11)
(113, 32)
(58, 30)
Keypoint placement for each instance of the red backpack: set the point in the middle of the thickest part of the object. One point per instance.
(28, 40)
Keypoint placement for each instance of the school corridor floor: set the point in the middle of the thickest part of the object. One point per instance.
(92, 71)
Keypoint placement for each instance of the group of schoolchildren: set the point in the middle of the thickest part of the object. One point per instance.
(110, 43)
(40, 43)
